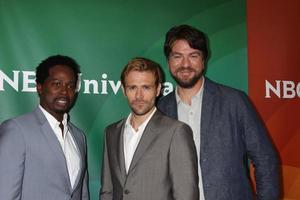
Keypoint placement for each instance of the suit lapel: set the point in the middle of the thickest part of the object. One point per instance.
(171, 107)
(208, 106)
(147, 138)
(115, 144)
(53, 144)
(120, 142)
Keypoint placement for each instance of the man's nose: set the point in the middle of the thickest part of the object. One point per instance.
(64, 89)
(185, 62)
(139, 93)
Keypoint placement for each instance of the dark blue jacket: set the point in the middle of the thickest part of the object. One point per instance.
(231, 133)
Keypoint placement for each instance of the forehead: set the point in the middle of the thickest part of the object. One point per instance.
(140, 77)
(61, 70)
(182, 46)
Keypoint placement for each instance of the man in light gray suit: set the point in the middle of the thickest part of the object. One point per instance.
(42, 154)
(147, 156)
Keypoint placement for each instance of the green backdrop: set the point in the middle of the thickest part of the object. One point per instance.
(102, 36)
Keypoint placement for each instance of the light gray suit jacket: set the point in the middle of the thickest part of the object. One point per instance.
(32, 162)
(164, 165)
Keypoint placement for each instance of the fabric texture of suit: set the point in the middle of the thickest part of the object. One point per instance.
(164, 165)
(32, 162)
(231, 132)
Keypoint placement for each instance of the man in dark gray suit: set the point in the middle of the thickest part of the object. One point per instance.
(227, 130)
(147, 156)
(42, 154)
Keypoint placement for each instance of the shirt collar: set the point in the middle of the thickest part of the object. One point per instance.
(143, 125)
(52, 120)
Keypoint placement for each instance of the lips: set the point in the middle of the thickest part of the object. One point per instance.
(138, 102)
(62, 101)
(185, 70)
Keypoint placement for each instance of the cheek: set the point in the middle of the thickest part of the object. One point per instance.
(72, 94)
(173, 69)
(173, 65)
(152, 96)
(198, 64)
(130, 96)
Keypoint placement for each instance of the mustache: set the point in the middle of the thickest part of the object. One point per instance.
(185, 69)
(139, 101)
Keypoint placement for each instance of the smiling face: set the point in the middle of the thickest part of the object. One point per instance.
(141, 91)
(57, 92)
(186, 64)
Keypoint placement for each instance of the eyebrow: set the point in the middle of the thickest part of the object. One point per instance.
(194, 52)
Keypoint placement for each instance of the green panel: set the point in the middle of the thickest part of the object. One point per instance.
(102, 36)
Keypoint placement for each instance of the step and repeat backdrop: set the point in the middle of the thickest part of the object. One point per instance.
(103, 35)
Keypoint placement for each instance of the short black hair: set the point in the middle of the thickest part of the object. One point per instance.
(42, 70)
(196, 39)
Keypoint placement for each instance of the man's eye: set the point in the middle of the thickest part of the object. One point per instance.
(56, 83)
(146, 87)
(176, 56)
(196, 56)
(72, 86)
(131, 88)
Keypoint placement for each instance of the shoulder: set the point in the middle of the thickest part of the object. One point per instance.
(223, 92)
(221, 89)
(114, 125)
(14, 131)
(164, 122)
(20, 122)
(166, 99)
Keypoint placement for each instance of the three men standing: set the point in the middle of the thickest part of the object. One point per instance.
(147, 156)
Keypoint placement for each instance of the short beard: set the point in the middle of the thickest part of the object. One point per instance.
(187, 84)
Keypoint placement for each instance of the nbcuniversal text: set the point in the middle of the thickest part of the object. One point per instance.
(24, 81)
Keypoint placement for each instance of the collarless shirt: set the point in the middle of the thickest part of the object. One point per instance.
(191, 115)
(132, 138)
(67, 144)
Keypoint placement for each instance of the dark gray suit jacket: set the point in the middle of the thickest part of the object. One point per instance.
(32, 162)
(164, 165)
(231, 132)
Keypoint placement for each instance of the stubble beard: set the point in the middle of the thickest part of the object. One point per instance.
(142, 110)
(187, 83)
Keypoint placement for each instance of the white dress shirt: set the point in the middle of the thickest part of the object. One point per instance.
(132, 138)
(191, 115)
(67, 144)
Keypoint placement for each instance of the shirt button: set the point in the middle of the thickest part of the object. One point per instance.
(126, 191)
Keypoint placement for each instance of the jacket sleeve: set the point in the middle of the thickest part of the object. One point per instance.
(12, 161)
(183, 165)
(260, 151)
(106, 191)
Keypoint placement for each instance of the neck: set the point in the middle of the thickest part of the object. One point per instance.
(137, 120)
(59, 116)
(186, 94)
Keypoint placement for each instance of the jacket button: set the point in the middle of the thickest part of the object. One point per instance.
(126, 191)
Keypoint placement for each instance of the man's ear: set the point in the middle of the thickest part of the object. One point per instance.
(158, 89)
(39, 88)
